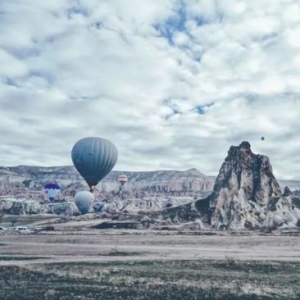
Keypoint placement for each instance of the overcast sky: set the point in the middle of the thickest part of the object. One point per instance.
(173, 84)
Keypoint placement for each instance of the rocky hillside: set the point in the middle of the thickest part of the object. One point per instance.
(27, 182)
(245, 194)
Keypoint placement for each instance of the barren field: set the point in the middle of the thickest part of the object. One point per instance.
(123, 264)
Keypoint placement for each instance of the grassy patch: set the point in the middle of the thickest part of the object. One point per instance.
(257, 266)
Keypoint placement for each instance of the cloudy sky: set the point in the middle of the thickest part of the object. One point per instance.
(172, 83)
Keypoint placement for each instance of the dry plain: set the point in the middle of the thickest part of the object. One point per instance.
(145, 264)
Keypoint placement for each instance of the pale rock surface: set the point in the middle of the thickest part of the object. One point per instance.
(22, 207)
(28, 182)
(19, 207)
(247, 195)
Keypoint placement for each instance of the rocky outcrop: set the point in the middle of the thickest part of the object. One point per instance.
(287, 192)
(246, 194)
(28, 207)
(64, 208)
(19, 207)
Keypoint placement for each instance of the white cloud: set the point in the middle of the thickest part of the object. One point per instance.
(144, 75)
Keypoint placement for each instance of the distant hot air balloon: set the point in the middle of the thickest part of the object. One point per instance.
(94, 158)
(262, 138)
(122, 179)
(52, 190)
(84, 200)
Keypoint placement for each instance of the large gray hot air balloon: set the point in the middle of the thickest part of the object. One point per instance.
(84, 200)
(94, 158)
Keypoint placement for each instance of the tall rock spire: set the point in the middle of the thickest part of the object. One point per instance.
(245, 190)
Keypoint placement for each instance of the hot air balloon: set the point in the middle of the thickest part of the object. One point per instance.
(52, 190)
(94, 158)
(262, 138)
(122, 179)
(84, 200)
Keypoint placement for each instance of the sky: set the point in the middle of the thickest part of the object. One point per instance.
(172, 83)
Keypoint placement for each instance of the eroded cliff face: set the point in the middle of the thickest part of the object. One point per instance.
(27, 182)
(251, 173)
(247, 194)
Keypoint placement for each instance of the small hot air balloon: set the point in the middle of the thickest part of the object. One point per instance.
(94, 158)
(84, 200)
(262, 138)
(52, 190)
(122, 179)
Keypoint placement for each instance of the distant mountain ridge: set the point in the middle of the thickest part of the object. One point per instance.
(24, 180)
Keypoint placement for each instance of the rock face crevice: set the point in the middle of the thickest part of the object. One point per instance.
(246, 194)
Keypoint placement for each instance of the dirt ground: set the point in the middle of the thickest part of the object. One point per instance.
(136, 264)
(147, 245)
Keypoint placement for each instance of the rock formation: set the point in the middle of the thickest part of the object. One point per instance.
(22, 207)
(26, 182)
(244, 194)
(247, 194)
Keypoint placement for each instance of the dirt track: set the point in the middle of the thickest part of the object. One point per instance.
(96, 246)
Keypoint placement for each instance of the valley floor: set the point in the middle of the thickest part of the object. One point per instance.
(122, 264)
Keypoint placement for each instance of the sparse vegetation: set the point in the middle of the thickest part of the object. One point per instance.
(230, 261)
(48, 228)
(116, 252)
(16, 258)
(145, 280)
(13, 221)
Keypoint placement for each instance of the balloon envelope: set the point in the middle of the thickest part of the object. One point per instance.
(52, 190)
(94, 158)
(84, 200)
(262, 138)
(122, 179)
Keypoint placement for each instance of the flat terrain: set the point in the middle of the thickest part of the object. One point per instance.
(137, 264)
(147, 245)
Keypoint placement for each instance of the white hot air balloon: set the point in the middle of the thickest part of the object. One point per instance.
(84, 200)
